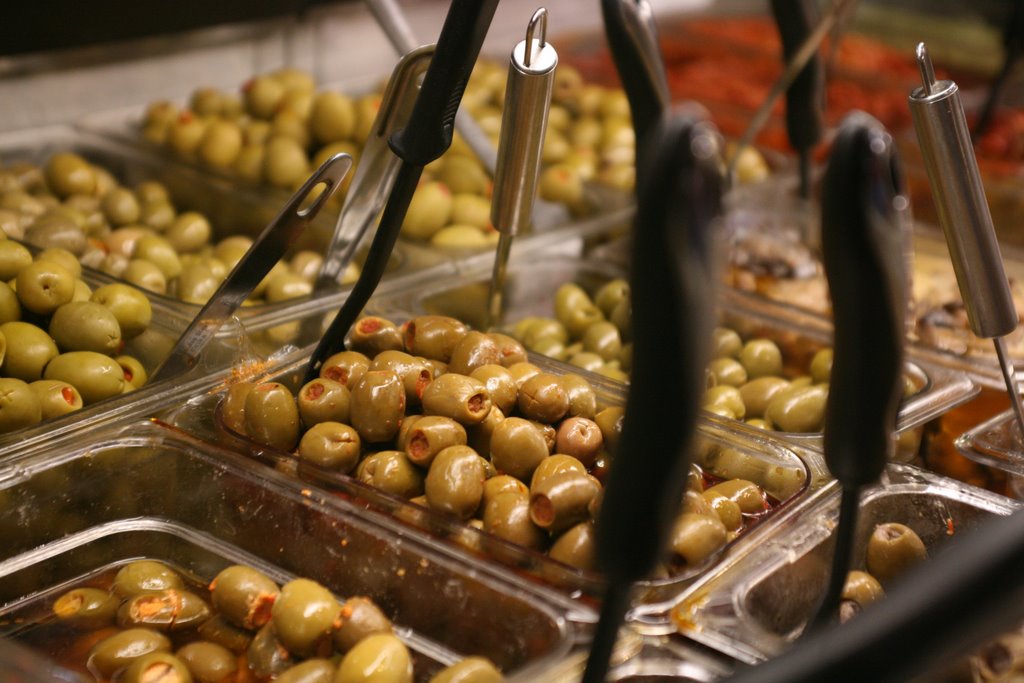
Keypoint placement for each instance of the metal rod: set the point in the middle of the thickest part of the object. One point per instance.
(1010, 377)
(496, 295)
(539, 17)
(792, 70)
(924, 63)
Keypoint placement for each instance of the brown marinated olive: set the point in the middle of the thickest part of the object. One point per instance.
(575, 547)
(580, 438)
(346, 367)
(543, 398)
(271, 416)
(697, 537)
(371, 335)
(243, 596)
(473, 351)
(458, 397)
(360, 618)
(378, 405)
(561, 500)
(500, 385)
(331, 445)
(507, 516)
(393, 472)
(455, 481)
(324, 400)
(267, 656)
(433, 336)
(232, 407)
(517, 447)
(414, 372)
(430, 435)
(892, 550)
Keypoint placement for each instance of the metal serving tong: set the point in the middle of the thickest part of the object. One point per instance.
(531, 77)
(805, 96)
(862, 249)
(264, 253)
(374, 177)
(673, 318)
(964, 216)
(633, 40)
(426, 137)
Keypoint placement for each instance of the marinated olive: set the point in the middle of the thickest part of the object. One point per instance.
(324, 400)
(575, 547)
(469, 670)
(761, 357)
(304, 615)
(346, 367)
(360, 618)
(86, 608)
(892, 550)
(309, 671)
(455, 481)
(168, 610)
(458, 397)
(243, 596)
(433, 336)
(271, 416)
(208, 662)
(124, 647)
(330, 445)
(507, 516)
(561, 500)
(393, 472)
(414, 372)
(267, 656)
(543, 398)
(500, 385)
(798, 408)
(378, 658)
(372, 335)
(378, 405)
(144, 576)
(580, 438)
(696, 537)
(430, 435)
(517, 447)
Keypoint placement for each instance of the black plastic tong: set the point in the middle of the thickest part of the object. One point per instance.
(427, 136)
(863, 252)
(673, 317)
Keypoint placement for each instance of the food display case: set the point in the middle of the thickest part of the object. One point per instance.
(443, 476)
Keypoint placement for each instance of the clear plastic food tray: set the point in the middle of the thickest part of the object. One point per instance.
(759, 605)
(534, 277)
(232, 210)
(997, 443)
(777, 468)
(148, 491)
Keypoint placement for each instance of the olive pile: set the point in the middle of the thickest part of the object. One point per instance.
(459, 422)
(60, 342)
(749, 379)
(892, 549)
(134, 234)
(150, 626)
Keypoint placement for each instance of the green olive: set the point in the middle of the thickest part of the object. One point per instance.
(543, 398)
(120, 206)
(728, 371)
(360, 618)
(561, 182)
(55, 398)
(474, 350)
(576, 546)
(29, 349)
(507, 516)
(430, 435)
(609, 421)
(85, 326)
(130, 307)
(272, 416)
(761, 357)
(218, 630)
(324, 400)
(393, 472)
(575, 310)
(345, 367)
(378, 405)
(892, 550)
(428, 212)
(144, 576)
(509, 350)
(561, 500)
(603, 339)
(145, 275)
(331, 445)
(372, 335)
(501, 387)
(517, 447)
(262, 96)
(43, 286)
(304, 615)
(455, 481)
(798, 408)
(14, 258)
(458, 397)
(19, 405)
(267, 656)
(94, 375)
(821, 366)
(86, 608)
(470, 210)
(697, 537)
(414, 372)
(123, 648)
(189, 232)
(220, 144)
(378, 658)
(726, 343)
(285, 162)
(68, 173)
(582, 398)
(243, 596)
(758, 393)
